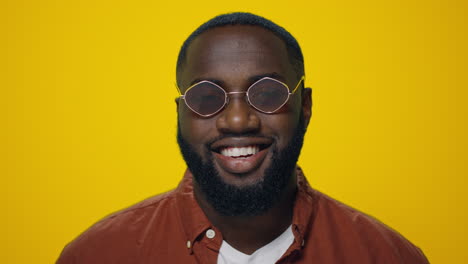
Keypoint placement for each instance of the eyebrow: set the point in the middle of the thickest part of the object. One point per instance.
(251, 79)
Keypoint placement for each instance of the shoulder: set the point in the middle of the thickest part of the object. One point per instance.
(351, 229)
(121, 234)
(151, 209)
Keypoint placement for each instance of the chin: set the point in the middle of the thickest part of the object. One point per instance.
(243, 179)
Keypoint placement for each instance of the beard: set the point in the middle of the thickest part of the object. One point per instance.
(250, 200)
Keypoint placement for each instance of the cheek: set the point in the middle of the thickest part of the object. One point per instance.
(195, 130)
(282, 126)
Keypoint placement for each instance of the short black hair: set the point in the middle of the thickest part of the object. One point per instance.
(242, 18)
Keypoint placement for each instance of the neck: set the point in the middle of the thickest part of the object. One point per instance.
(249, 233)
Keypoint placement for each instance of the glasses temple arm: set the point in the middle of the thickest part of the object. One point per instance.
(297, 86)
(178, 89)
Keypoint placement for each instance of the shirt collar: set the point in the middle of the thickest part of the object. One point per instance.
(304, 208)
(195, 221)
(192, 216)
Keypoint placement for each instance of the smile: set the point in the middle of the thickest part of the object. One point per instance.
(242, 152)
(240, 155)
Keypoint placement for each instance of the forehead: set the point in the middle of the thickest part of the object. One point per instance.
(233, 54)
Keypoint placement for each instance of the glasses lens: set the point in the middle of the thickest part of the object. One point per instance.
(268, 95)
(205, 98)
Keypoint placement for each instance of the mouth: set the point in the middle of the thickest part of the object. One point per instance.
(241, 152)
(240, 155)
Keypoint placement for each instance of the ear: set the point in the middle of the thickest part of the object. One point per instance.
(307, 105)
(177, 100)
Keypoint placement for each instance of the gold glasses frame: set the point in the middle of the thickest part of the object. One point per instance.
(226, 95)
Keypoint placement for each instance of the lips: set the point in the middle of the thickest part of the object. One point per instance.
(240, 155)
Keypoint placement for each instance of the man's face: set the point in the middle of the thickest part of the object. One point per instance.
(235, 57)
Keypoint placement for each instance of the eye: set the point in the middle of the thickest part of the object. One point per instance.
(265, 93)
(268, 95)
(205, 98)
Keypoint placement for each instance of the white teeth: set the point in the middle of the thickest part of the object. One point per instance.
(243, 151)
(237, 152)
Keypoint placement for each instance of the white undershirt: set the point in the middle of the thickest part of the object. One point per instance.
(270, 253)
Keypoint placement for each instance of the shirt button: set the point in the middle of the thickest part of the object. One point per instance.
(210, 233)
(189, 244)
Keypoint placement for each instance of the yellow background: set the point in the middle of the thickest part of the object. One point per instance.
(88, 116)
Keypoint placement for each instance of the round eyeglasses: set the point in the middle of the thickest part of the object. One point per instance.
(267, 95)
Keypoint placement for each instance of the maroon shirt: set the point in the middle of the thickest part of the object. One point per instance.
(172, 228)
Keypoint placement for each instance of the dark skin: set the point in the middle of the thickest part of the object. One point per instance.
(235, 57)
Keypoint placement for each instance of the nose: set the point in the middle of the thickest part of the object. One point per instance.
(238, 117)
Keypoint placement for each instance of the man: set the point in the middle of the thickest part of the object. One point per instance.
(242, 117)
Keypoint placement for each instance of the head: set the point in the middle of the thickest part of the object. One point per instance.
(292, 46)
(242, 159)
